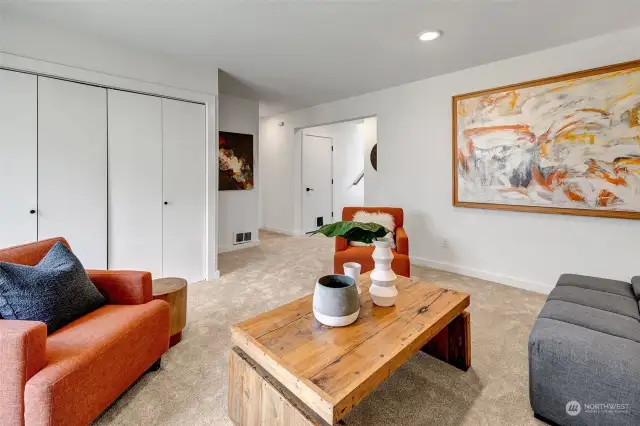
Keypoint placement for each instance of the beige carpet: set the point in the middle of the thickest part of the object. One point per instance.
(191, 387)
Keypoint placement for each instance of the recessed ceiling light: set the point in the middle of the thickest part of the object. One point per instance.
(429, 35)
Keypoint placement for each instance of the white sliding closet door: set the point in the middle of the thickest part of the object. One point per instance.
(183, 247)
(18, 158)
(72, 167)
(135, 182)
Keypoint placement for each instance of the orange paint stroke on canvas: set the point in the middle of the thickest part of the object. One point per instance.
(596, 110)
(462, 109)
(569, 135)
(606, 198)
(519, 190)
(513, 101)
(622, 165)
(462, 161)
(627, 161)
(595, 170)
(634, 117)
(574, 194)
(621, 98)
(496, 99)
(517, 128)
(551, 181)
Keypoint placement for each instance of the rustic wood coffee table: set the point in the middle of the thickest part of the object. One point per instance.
(288, 369)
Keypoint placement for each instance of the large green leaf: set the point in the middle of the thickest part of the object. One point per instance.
(353, 231)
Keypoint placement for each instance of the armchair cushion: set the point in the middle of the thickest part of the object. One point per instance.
(56, 291)
(123, 287)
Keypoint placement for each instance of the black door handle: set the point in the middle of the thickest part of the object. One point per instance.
(309, 189)
(166, 203)
(32, 211)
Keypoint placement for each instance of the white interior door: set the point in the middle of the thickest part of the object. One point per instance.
(18, 158)
(317, 196)
(135, 182)
(184, 154)
(72, 167)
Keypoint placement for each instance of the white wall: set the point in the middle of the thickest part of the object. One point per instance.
(276, 175)
(39, 40)
(348, 162)
(414, 172)
(369, 134)
(238, 211)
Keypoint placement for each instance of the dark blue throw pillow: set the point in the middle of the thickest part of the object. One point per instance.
(56, 291)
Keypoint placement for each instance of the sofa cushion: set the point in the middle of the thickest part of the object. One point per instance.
(597, 299)
(56, 291)
(635, 283)
(593, 319)
(93, 360)
(621, 288)
(572, 363)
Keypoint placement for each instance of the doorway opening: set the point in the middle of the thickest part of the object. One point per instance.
(336, 163)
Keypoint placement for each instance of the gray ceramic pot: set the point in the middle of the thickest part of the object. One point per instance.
(335, 300)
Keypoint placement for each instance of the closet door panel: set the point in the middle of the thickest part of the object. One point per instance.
(18, 158)
(183, 128)
(135, 182)
(72, 167)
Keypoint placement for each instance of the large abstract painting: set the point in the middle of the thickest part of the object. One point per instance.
(236, 161)
(568, 144)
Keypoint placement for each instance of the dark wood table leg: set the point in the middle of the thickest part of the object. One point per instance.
(453, 344)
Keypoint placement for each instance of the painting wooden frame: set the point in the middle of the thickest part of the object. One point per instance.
(626, 214)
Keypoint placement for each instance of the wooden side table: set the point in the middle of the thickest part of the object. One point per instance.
(174, 292)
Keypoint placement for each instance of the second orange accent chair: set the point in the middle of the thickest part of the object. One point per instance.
(69, 377)
(345, 252)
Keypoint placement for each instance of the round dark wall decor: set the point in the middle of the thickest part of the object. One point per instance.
(373, 157)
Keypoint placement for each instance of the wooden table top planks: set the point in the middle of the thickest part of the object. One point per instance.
(333, 369)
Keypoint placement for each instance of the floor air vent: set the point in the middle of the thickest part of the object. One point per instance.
(241, 237)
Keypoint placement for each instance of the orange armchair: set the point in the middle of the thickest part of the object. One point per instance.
(69, 377)
(401, 263)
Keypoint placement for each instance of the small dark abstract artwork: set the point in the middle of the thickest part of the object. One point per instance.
(236, 161)
(568, 144)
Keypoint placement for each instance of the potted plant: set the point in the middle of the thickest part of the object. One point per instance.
(353, 231)
(383, 291)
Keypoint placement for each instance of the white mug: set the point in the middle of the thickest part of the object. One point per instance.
(352, 269)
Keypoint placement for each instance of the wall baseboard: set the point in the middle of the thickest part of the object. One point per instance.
(239, 247)
(278, 231)
(483, 275)
(215, 276)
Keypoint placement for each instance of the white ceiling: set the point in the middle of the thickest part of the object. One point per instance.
(302, 53)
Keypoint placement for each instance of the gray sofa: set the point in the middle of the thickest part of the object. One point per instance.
(584, 353)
